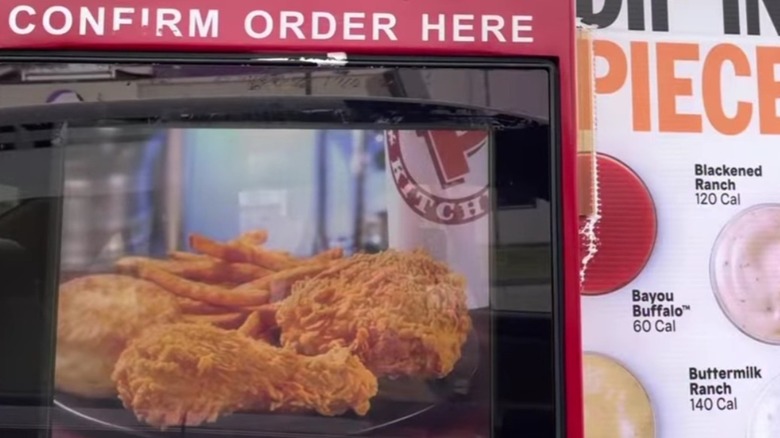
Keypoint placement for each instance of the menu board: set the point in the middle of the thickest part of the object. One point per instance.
(681, 283)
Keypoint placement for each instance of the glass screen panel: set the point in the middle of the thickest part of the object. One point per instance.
(263, 251)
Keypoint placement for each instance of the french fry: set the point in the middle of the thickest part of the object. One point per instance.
(211, 294)
(278, 285)
(299, 273)
(255, 237)
(225, 320)
(207, 270)
(263, 284)
(274, 260)
(199, 307)
(251, 324)
(185, 256)
(237, 272)
(240, 252)
(204, 245)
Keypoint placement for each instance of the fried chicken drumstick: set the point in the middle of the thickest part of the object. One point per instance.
(189, 374)
(401, 313)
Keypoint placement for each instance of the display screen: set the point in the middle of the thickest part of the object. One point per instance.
(246, 253)
(308, 268)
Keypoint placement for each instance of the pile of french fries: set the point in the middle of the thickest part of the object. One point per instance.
(233, 285)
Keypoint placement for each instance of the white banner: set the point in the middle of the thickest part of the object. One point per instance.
(684, 17)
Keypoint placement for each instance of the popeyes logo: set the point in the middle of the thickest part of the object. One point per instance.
(441, 175)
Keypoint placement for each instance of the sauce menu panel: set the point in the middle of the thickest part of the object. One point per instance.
(681, 286)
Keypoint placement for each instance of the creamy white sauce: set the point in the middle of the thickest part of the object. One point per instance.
(746, 272)
(766, 413)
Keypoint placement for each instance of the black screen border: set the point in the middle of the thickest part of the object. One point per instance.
(558, 316)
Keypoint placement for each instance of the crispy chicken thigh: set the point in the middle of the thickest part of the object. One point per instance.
(401, 313)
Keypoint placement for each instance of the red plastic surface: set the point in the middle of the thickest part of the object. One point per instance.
(506, 27)
(552, 31)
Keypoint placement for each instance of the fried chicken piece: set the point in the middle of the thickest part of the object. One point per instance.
(97, 316)
(402, 313)
(189, 374)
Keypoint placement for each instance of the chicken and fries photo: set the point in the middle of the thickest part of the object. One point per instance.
(235, 327)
